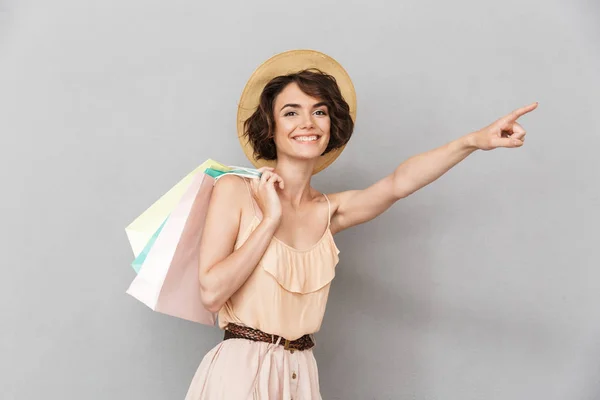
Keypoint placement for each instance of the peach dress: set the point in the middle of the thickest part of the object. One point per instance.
(286, 296)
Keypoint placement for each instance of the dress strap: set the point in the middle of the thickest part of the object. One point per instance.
(328, 210)
(251, 196)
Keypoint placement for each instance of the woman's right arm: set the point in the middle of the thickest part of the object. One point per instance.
(223, 270)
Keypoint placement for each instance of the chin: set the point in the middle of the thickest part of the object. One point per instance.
(308, 151)
(308, 154)
(303, 151)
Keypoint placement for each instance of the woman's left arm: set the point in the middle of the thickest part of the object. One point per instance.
(354, 207)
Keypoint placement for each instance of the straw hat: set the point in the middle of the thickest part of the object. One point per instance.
(282, 64)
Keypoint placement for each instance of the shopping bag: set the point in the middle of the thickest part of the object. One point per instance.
(216, 173)
(141, 230)
(167, 281)
(139, 260)
(215, 170)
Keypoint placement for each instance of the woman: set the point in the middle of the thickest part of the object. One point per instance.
(268, 254)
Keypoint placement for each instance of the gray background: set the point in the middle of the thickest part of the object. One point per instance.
(483, 285)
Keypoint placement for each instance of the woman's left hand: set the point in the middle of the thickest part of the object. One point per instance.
(505, 132)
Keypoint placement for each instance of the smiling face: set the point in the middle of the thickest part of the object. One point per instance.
(302, 124)
(300, 116)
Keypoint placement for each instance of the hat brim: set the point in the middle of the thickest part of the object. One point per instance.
(282, 64)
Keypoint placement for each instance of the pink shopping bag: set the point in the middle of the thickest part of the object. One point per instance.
(168, 281)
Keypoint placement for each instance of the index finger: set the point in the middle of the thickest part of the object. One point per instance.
(276, 178)
(519, 112)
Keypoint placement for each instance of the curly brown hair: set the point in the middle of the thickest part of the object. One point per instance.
(260, 127)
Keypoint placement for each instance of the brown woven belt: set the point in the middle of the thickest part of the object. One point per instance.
(233, 331)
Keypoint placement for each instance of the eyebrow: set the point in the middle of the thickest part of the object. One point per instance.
(293, 105)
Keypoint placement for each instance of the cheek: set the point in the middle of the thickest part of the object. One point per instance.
(283, 126)
(325, 125)
(282, 130)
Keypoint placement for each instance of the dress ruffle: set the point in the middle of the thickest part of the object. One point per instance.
(302, 271)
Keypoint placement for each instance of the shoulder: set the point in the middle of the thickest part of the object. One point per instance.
(329, 201)
(337, 218)
(230, 182)
(335, 199)
(230, 189)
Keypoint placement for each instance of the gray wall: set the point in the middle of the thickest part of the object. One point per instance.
(483, 285)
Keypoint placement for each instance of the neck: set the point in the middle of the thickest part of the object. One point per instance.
(296, 175)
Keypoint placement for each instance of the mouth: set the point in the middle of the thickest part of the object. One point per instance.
(306, 138)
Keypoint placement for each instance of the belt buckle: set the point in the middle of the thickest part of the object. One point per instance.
(286, 344)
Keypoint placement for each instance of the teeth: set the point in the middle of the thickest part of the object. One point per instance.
(305, 138)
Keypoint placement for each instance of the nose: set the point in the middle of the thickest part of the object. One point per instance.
(307, 122)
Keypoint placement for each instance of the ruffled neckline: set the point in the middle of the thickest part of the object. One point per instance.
(323, 237)
(300, 271)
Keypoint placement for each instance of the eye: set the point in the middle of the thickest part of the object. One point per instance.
(322, 112)
(289, 113)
